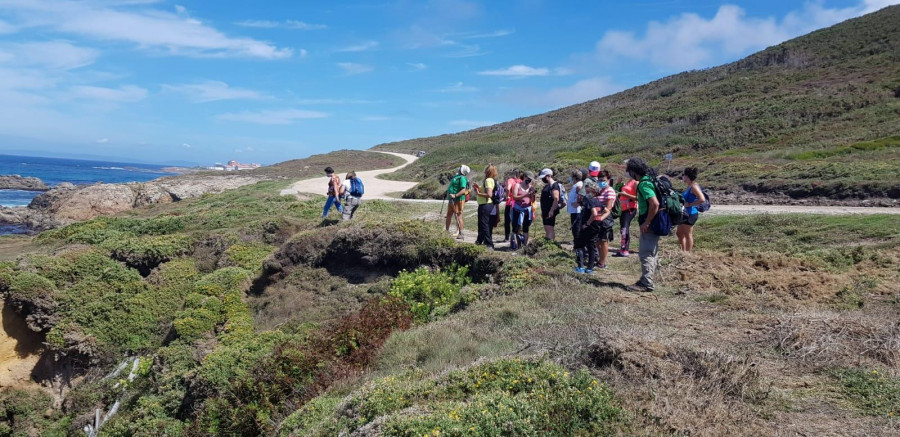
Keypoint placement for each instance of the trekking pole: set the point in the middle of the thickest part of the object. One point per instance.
(442, 203)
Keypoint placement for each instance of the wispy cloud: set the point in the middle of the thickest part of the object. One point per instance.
(186, 145)
(494, 34)
(102, 140)
(273, 117)
(417, 66)
(517, 71)
(288, 24)
(127, 93)
(361, 47)
(351, 68)
(470, 124)
(211, 91)
(166, 32)
(581, 91)
(47, 54)
(377, 118)
(458, 87)
(336, 101)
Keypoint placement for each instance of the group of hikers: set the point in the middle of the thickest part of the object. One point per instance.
(344, 196)
(593, 202)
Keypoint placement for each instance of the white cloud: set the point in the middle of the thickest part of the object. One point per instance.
(211, 91)
(6, 28)
(186, 145)
(417, 66)
(147, 28)
(420, 37)
(302, 53)
(335, 101)
(517, 71)
(61, 55)
(288, 24)
(578, 92)
(458, 87)
(361, 47)
(351, 68)
(494, 34)
(103, 141)
(180, 10)
(690, 41)
(470, 123)
(127, 93)
(280, 116)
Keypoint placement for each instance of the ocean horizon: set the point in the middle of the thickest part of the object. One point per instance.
(54, 171)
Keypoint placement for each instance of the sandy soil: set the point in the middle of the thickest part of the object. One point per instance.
(19, 350)
(375, 188)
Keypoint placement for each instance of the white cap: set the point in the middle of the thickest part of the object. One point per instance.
(545, 172)
(464, 170)
(595, 166)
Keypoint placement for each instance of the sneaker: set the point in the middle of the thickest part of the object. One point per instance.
(601, 266)
(621, 254)
(459, 236)
(588, 272)
(579, 269)
(641, 288)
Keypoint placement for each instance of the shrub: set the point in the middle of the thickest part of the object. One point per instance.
(248, 256)
(872, 392)
(431, 293)
(31, 286)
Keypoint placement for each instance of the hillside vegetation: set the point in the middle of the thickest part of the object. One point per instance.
(814, 116)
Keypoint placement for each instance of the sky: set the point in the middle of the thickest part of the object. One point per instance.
(272, 80)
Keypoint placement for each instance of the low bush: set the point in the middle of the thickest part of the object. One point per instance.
(505, 397)
(874, 393)
(432, 293)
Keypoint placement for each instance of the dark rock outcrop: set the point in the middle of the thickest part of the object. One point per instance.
(16, 182)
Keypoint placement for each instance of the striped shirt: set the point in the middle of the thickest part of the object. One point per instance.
(605, 196)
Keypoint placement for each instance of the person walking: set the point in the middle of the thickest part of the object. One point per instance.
(523, 194)
(693, 197)
(607, 199)
(551, 195)
(515, 177)
(592, 216)
(648, 207)
(353, 192)
(456, 200)
(484, 196)
(628, 200)
(573, 206)
(334, 193)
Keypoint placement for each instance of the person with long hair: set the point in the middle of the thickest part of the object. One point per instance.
(484, 196)
(607, 199)
(648, 207)
(512, 181)
(628, 200)
(693, 197)
(550, 202)
(523, 194)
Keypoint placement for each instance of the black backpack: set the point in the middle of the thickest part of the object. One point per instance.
(671, 203)
(499, 195)
(705, 206)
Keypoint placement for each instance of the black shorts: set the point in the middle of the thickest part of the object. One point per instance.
(606, 234)
(549, 221)
(690, 220)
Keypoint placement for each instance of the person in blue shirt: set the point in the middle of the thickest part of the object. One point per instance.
(693, 197)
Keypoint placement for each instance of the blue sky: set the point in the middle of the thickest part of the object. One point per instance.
(267, 81)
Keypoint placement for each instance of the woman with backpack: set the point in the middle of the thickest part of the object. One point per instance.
(648, 207)
(628, 200)
(456, 199)
(572, 203)
(485, 200)
(353, 192)
(552, 201)
(693, 197)
(523, 195)
(593, 214)
(607, 198)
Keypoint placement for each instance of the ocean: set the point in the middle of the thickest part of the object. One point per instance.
(54, 171)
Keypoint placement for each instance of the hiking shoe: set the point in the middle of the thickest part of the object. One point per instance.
(621, 254)
(579, 269)
(601, 266)
(641, 288)
(459, 236)
(588, 272)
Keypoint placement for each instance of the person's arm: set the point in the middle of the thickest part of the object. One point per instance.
(630, 196)
(610, 203)
(652, 209)
(555, 193)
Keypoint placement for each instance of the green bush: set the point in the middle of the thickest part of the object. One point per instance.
(431, 293)
(30, 286)
(248, 256)
(505, 397)
(874, 393)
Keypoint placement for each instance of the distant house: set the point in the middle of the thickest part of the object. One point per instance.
(233, 166)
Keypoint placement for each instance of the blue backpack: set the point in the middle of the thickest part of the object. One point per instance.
(705, 206)
(357, 189)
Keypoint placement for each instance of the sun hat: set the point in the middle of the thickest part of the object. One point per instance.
(464, 170)
(545, 172)
(589, 188)
(594, 168)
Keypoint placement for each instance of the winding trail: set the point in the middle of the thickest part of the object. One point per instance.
(381, 188)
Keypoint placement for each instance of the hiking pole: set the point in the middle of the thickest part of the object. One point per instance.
(447, 191)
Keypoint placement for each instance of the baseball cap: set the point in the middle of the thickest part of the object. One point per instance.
(594, 168)
(464, 170)
(545, 172)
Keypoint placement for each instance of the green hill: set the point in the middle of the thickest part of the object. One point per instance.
(814, 116)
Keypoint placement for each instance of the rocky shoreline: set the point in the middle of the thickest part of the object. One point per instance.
(17, 182)
(68, 203)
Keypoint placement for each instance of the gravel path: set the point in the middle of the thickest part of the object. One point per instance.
(381, 188)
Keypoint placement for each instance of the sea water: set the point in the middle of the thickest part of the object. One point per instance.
(54, 171)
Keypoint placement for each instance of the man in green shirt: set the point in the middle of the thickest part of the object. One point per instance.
(648, 207)
(456, 199)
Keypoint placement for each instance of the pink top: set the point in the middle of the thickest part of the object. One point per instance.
(511, 184)
(605, 196)
(525, 193)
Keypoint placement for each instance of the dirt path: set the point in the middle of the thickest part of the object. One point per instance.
(375, 188)
(381, 188)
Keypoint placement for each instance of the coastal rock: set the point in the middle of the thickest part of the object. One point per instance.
(194, 186)
(94, 201)
(16, 182)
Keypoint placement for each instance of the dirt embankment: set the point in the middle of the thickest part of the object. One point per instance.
(20, 350)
